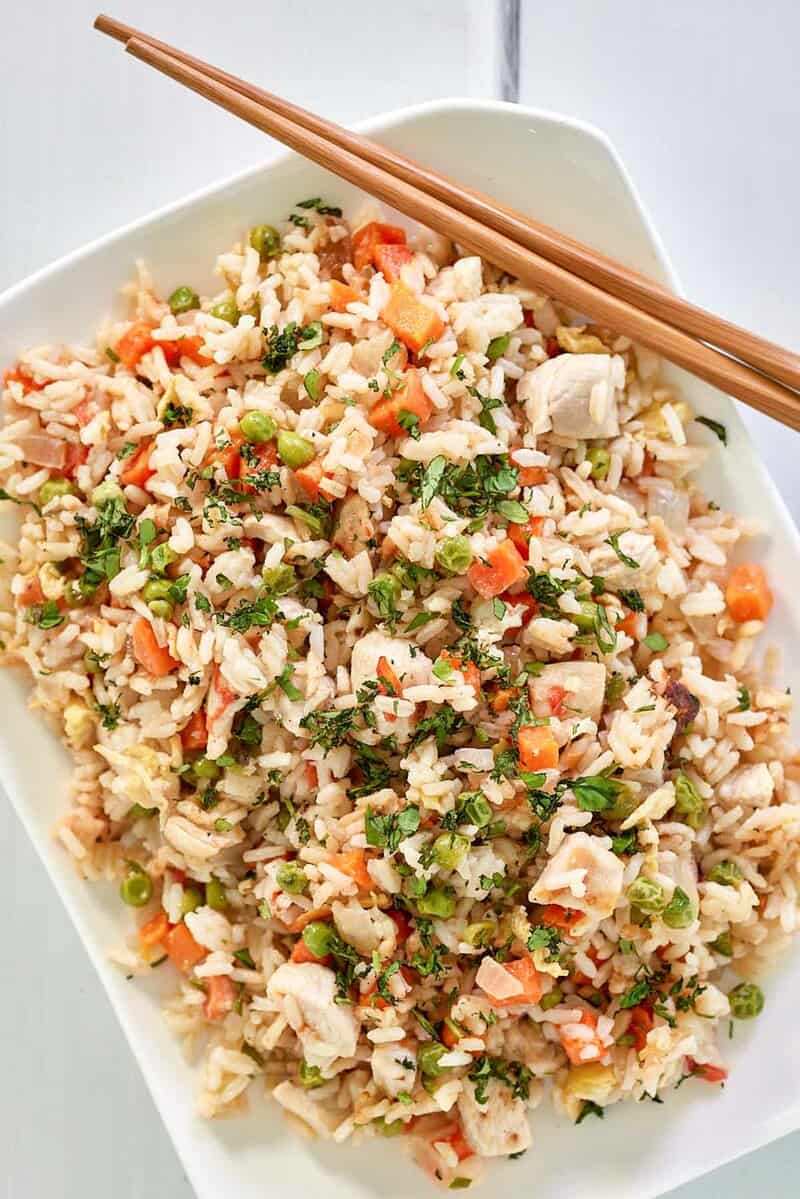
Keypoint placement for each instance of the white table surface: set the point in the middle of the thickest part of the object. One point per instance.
(700, 100)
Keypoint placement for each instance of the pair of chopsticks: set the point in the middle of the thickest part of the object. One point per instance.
(744, 365)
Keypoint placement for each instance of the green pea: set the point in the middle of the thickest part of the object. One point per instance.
(318, 937)
(156, 589)
(551, 999)
(449, 850)
(746, 1000)
(388, 1128)
(74, 596)
(600, 460)
(190, 900)
(292, 878)
(479, 934)
(689, 804)
(226, 310)
(439, 901)
(454, 555)
(294, 450)
(54, 487)
(205, 768)
(428, 1057)
(385, 590)
(497, 347)
(215, 895)
(162, 608)
(625, 803)
(136, 889)
(183, 299)
(310, 1076)
(477, 809)
(647, 895)
(106, 493)
(280, 580)
(723, 944)
(679, 912)
(266, 240)
(727, 873)
(258, 427)
(162, 557)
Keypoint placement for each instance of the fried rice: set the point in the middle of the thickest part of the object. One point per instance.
(411, 687)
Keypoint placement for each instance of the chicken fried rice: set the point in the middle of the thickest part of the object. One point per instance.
(410, 686)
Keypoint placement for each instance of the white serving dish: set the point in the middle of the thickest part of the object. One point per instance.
(567, 174)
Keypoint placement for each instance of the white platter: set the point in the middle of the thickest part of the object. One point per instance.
(568, 175)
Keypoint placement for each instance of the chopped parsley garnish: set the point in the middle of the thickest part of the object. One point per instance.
(410, 422)
(110, 714)
(46, 616)
(590, 1108)
(544, 936)
(441, 725)
(470, 490)
(259, 613)
(176, 414)
(386, 831)
(632, 599)
(744, 699)
(613, 541)
(283, 344)
(514, 1075)
(318, 205)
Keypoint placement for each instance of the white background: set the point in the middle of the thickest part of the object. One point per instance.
(701, 101)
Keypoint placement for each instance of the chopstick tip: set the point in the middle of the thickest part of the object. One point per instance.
(113, 28)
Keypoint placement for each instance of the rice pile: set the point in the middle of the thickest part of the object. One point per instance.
(415, 634)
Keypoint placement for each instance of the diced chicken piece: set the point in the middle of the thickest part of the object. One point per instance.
(495, 1128)
(316, 1116)
(306, 993)
(525, 1042)
(569, 688)
(365, 929)
(574, 394)
(354, 527)
(584, 876)
(394, 1068)
(407, 661)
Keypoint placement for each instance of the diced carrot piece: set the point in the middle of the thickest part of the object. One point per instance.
(229, 457)
(413, 322)
(538, 749)
(31, 593)
(17, 375)
(500, 699)
(353, 862)
(472, 676)
(152, 657)
(450, 1037)
(301, 953)
(390, 260)
(388, 682)
(505, 568)
(747, 594)
(642, 1021)
(311, 773)
(220, 698)
(341, 294)
(401, 923)
(410, 398)
(194, 734)
(582, 1048)
(154, 931)
(561, 918)
(555, 700)
(135, 343)
(366, 239)
(529, 476)
(220, 997)
(526, 973)
(628, 624)
(138, 470)
(524, 599)
(309, 478)
(706, 1071)
(182, 949)
(460, 1145)
(521, 534)
(322, 913)
(183, 347)
(75, 454)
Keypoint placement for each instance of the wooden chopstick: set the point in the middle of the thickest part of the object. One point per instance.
(582, 260)
(760, 392)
